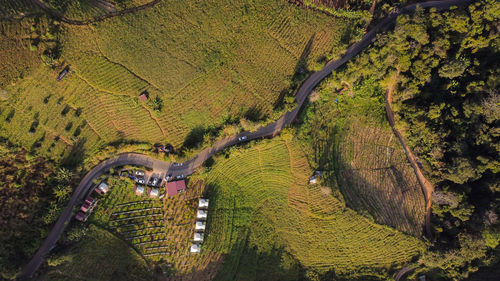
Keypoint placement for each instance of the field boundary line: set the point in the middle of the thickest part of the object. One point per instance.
(425, 184)
(126, 68)
(154, 119)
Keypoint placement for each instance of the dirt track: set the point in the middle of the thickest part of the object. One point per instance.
(427, 187)
(189, 166)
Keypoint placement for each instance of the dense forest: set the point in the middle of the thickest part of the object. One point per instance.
(32, 193)
(444, 71)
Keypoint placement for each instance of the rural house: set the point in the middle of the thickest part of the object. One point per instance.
(175, 187)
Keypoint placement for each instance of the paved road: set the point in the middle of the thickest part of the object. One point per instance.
(189, 166)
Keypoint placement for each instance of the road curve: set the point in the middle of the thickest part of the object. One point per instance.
(190, 165)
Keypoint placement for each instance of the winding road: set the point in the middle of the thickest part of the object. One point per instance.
(189, 166)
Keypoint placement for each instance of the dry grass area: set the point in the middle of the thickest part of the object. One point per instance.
(180, 212)
(376, 178)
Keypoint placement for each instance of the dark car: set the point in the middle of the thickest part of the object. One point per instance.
(168, 177)
(177, 164)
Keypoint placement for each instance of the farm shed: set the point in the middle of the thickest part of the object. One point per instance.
(103, 187)
(201, 214)
(198, 237)
(175, 187)
(139, 190)
(143, 97)
(200, 225)
(195, 248)
(202, 203)
(312, 180)
(154, 192)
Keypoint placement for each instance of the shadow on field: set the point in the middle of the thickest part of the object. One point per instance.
(74, 158)
(299, 73)
(382, 192)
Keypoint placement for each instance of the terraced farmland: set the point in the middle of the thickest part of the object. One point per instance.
(261, 198)
(205, 61)
(375, 177)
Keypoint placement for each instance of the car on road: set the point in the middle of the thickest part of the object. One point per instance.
(243, 138)
(168, 177)
(177, 164)
(140, 181)
(179, 177)
(139, 173)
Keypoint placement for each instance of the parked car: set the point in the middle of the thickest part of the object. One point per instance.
(242, 138)
(139, 173)
(177, 164)
(140, 181)
(179, 177)
(168, 177)
(154, 181)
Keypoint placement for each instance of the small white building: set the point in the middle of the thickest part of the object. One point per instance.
(103, 187)
(139, 190)
(312, 180)
(202, 214)
(200, 225)
(198, 237)
(203, 203)
(195, 248)
(154, 192)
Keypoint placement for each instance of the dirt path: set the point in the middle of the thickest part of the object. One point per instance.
(427, 186)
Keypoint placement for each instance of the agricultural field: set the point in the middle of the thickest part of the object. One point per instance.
(265, 216)
(160, 230)
(100, 256)
(376, 179)
(198, 62)
(17, 9)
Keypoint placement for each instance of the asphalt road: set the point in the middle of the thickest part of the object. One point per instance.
(189, 166)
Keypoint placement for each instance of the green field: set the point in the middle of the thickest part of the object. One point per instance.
(205, 61)
(101, 256)
(263, 208)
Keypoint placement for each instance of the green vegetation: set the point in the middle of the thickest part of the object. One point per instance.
(32, 192)
(201, 63)
(101, 256)
(274, 226)
(444, 71)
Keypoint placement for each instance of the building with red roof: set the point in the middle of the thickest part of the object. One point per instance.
(174, 187)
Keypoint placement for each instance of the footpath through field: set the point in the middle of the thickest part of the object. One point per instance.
(189, 166)
(427, 186)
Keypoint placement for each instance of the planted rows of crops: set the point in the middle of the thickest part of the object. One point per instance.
(266, 188)
(138, 221)
(375, 177)
(12, 8)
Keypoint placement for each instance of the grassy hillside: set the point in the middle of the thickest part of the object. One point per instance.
(268, 220)
(200, 62)
(101, 256)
